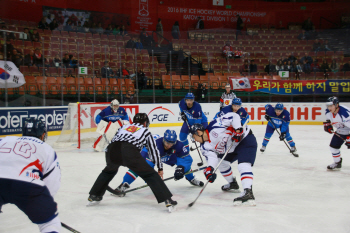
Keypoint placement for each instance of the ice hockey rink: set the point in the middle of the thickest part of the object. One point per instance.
(292, 194)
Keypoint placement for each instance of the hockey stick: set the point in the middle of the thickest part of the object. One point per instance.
(295, 155)
(192, 203)
(339, 136)
(201, 163)
(146, 185)
(69, 228)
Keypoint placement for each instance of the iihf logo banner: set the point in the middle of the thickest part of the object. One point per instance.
(240, 83)
(9, 73)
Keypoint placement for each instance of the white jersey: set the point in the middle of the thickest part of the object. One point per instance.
(220, 133)
(30, 160)
(341, 120)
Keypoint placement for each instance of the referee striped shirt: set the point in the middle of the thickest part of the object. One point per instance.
(140, 137)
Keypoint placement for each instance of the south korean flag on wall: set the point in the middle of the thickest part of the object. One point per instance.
(218, 2)
(10, 76)
(240, 83)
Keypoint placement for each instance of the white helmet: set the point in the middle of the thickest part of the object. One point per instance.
(113, 103)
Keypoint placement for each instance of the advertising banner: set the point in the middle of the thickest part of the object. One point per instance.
(12, 119)
(304, 87)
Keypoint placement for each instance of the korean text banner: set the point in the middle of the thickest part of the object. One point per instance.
(285, 87)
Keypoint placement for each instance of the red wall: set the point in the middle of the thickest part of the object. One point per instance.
(31, 10)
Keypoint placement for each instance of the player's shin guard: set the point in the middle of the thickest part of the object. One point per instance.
(129, 177)
(336, 154)
(226, 171)
(290, 140)
(53, 226)
(266, 139)
(245, 169)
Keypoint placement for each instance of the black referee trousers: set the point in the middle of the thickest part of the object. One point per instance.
(125, 154)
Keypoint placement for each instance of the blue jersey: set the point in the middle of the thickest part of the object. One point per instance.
(282, 121)
(178, 154)
(108, 115)
(241, 112)
(194, 114)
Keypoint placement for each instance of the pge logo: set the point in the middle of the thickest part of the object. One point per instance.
(162, 116)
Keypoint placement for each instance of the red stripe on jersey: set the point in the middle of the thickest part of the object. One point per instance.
(221, 100)
(208, 135)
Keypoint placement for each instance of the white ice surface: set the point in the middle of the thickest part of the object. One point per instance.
(292, 194)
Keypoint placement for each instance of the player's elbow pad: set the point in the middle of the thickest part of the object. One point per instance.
(98, 119)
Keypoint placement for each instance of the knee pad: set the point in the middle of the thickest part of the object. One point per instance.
(53, 226)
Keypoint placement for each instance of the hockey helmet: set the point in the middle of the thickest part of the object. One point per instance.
(34, 127)
(279, 106)
(141, 118)
(195, 127)
(113, 103)
(237, 101)
(332, 100)
(189, 96)
(170, 136)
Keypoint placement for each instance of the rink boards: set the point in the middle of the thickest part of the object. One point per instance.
(160, 115)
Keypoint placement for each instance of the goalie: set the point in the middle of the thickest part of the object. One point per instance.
(108, 121)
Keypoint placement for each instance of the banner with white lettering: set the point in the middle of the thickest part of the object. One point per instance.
(12, 119)
(9, 73)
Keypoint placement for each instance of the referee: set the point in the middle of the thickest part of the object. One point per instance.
(226, 97)
(125, 151)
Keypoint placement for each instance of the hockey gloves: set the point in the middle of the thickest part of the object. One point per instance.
(237, 135)
(347, 141)
(183, 116)
(208, 172)
(267, 117)
(179, 172)
(282, 136)
(328, 127)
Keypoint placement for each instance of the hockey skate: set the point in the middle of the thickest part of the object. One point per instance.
(263, 148)
(196, 182)
(246, 198)
(120, 191)
(335, 166)
(293, 150)
(231, 186)
(170, 204)
(94, 200)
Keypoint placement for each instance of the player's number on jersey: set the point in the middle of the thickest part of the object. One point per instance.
(132, 129)
(23, 149)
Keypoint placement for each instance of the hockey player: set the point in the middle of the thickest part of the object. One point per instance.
(191, 113)
(216, 139)
(108, 121)
(172, 152)
(226, 97)
(225, 167)
(125, 151)
(278, 117)
(339, 116)
(30, 175)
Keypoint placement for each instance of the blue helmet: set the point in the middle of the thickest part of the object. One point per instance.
(170, 136)
(332, 100)
(189, 96)
(34, 127)
(237, 101)
(279, 106)
(195, 127)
